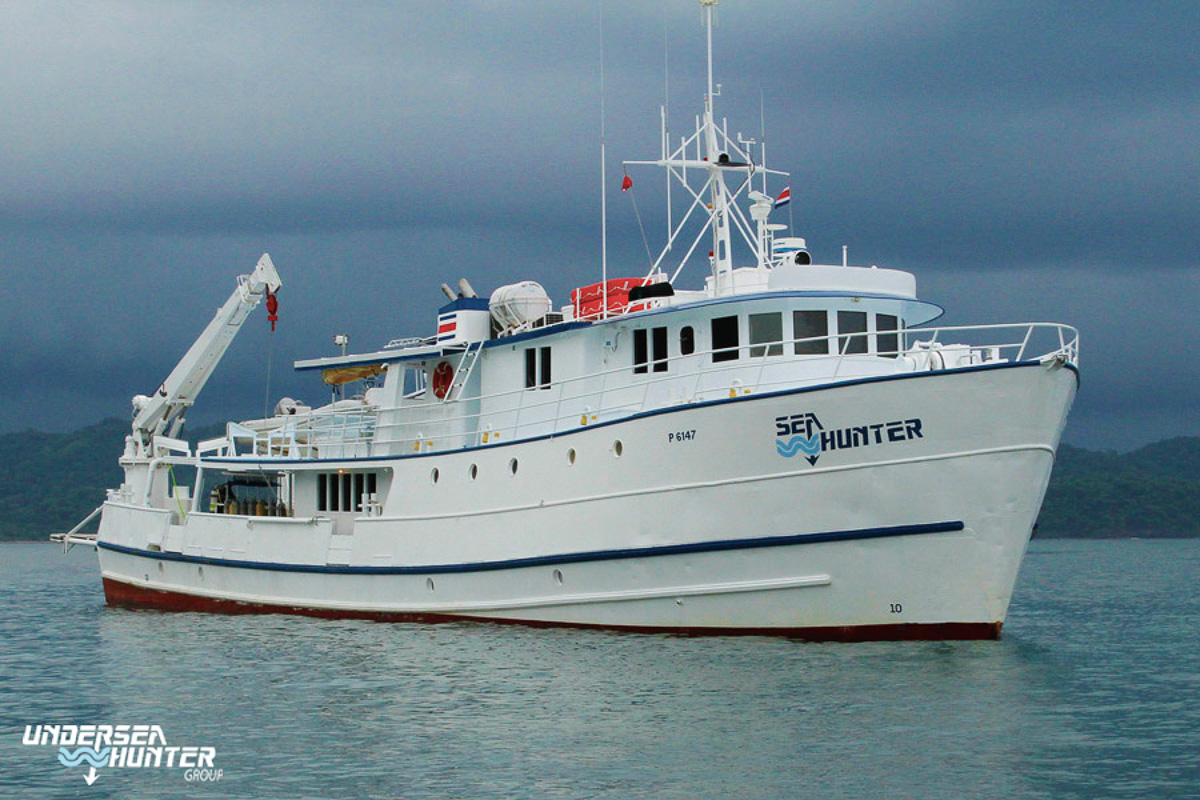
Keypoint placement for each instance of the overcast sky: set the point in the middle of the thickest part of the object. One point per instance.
(1026, 160)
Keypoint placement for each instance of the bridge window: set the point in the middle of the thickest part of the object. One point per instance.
(537, 368)
(658, 339)
(545, 370)
(725, 339)
(414, 382)
(766, 335)
(852, 330)
(687, 340)
(887, 341)
(639, 350)
(810, 325)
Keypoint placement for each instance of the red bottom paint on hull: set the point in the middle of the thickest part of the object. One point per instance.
(124, 595)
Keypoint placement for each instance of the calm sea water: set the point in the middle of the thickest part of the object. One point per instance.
(1093, 692)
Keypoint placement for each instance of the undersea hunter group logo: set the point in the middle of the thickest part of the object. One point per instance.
(804, 433)
(124, 747)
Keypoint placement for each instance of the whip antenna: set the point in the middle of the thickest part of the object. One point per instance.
(603, 182)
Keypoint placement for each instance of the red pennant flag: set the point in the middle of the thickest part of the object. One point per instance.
(627, 184)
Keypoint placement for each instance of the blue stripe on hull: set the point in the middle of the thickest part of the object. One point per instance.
(563, 558)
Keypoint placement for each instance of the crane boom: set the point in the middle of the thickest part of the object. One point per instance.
(166, 406)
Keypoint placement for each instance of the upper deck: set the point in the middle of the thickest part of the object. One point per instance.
(566, 377)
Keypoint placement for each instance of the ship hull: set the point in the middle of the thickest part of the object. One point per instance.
(894, 508)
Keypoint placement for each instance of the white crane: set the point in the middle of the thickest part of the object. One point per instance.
(166, 407)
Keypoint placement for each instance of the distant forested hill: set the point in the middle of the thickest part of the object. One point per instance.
(49, 482)
(1154, 491)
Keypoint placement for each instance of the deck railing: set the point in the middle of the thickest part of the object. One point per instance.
(618, 391)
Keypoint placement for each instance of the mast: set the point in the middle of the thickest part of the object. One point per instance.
(711, 152)
(603, 187)
(722, 263)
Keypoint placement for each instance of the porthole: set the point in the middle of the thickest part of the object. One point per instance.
(434, 475)
(160, 568)
(200, 571)
(474, 471)
(558, 577)
(571, 456)
(512, 466)
(618, 448)
(429, 584)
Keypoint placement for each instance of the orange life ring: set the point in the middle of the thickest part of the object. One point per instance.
(443, 374)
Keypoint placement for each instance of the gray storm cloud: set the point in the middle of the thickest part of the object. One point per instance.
(1018, 157)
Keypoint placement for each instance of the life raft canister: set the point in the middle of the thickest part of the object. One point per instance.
(443, 374)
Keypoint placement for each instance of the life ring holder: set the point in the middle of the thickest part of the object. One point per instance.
(443, 377)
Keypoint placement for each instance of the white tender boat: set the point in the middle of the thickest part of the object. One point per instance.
(783, 450)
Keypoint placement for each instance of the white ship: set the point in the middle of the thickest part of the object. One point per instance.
(786, 449)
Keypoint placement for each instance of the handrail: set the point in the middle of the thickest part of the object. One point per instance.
(523, 409)
(737, 364)
(520, 412)
(70, 539)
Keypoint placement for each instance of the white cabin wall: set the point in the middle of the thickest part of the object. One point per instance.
(390, 392)
(593, 377)
(304, 494)
(502, 382)
(534, 409)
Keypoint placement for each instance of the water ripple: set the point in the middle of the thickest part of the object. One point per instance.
(1091, 693)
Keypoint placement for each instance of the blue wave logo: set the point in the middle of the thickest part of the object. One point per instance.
(97, 758)
(810, 445)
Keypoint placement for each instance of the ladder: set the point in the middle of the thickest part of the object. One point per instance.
(466, 365)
